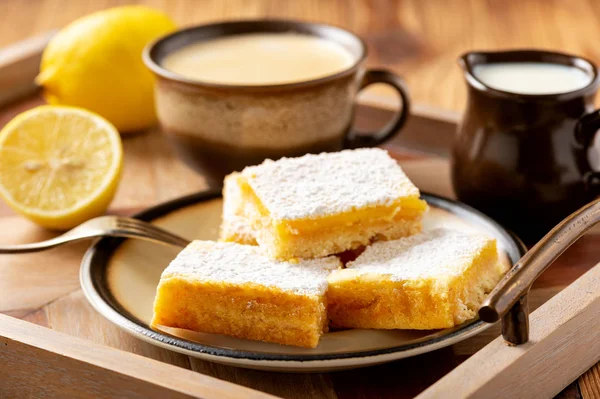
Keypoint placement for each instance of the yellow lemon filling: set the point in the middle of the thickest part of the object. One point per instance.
(402, 208)
(313, 237)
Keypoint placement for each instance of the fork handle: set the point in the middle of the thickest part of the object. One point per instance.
(71, 238)
(42, 245)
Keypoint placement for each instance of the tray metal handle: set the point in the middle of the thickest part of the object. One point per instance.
(508, 301)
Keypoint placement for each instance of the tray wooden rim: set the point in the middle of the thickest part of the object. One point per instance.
(48, 351)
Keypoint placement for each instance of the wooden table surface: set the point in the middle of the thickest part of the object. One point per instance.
(419, 39)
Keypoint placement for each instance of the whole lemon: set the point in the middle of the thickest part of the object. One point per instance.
(96, 63)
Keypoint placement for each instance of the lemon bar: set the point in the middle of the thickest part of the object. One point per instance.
(235, 226)
(432, 280)
(233, 289)
(318, 205)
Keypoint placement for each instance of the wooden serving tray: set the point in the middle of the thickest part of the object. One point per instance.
(53, 343)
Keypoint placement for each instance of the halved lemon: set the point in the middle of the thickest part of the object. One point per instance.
(59, 166)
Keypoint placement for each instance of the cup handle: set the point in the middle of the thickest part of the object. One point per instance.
(508, 300)
(355, 139)
(585, 132)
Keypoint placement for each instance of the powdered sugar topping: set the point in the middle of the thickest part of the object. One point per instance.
(240, 264)
(438, 252)
(234, 219)
(314, 186)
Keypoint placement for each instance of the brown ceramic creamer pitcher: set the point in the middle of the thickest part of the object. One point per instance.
(522, 157)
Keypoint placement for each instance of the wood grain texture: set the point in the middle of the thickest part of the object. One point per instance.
(37, 362)
(418, 39)
(421, 41)
(153, 174)
(289, 386)
(590, 383)
(555, 354)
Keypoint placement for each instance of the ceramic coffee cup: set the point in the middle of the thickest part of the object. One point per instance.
(220, 128)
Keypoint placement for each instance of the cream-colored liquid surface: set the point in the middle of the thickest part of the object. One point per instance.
(260, 59)
(532, 78)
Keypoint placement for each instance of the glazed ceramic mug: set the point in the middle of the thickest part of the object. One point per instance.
(522, 158)
(220, 128)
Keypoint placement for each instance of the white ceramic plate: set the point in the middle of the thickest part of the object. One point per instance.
(119, 278)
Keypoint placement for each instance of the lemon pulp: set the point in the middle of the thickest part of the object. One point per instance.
(59, 166)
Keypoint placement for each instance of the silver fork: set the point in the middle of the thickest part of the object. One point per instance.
(103, 226)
